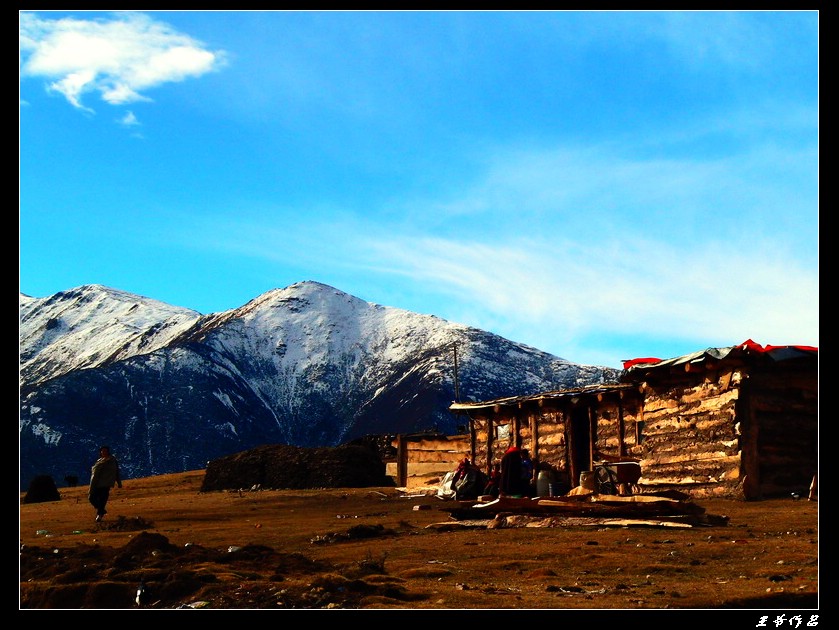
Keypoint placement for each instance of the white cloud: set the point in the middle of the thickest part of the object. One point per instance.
(72, 86)
(129, 120)
(561, 290)
(118, 58)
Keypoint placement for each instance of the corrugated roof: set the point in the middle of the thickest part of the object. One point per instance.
(588, 390)
(748, 347)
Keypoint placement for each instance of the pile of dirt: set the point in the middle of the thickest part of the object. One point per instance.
(252, 576)
(41, 490)
(283, 467)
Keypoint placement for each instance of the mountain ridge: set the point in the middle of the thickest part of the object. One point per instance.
(305, 365)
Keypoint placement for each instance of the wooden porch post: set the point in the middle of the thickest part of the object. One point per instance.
(516, 440)
(621, 429)
(473, 445)
(570, 443)
(401, 461)
(534, 435)
(490, 438)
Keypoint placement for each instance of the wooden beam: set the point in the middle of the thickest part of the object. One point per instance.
(515, 439)
(401, 461)
(473, 439)
(570, 443)
(621, 432)
(490, 439)
(534, 435)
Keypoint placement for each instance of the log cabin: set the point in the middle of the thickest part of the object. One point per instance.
(738, 421)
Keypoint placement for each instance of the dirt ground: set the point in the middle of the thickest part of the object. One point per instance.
(400, 548)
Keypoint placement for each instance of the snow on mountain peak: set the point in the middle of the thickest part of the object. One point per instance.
(84, 326)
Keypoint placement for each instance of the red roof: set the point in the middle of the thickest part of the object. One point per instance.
(748, 345)
(631, 362)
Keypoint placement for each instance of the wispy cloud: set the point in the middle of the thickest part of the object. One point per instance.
(732, 191)
(736, 39)
(698, 41)
(565, 244)
(621, 240)
(560, 290)
(119, 58)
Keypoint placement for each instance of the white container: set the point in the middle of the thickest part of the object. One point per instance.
(543, 483)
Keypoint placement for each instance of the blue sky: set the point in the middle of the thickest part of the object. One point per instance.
(600, 185)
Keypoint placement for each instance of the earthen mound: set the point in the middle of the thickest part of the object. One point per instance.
(41, 489)
(279, 466)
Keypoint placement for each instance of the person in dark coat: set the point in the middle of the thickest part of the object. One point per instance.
(468, 481)
(103, 476)
(511, 474)
(460, 472)
(528, 484)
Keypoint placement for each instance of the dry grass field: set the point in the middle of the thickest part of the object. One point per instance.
(391, 548)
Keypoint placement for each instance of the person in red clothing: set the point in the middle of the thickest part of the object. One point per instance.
(468, 481)
(492, 486)
(512, 484)
(460, 472)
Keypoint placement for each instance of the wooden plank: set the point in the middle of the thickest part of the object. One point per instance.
(576, 506)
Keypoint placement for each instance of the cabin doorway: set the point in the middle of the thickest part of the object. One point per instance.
(580, 439)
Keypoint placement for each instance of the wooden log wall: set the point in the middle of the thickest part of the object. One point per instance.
(486, 444)
(690, 438)
(607, 439)
(489, 447)
(428, 456)
(784, 408)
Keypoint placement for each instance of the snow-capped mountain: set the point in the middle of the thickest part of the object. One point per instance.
(89, 326)
(308, 365)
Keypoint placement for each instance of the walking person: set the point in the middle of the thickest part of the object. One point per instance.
(103, 476)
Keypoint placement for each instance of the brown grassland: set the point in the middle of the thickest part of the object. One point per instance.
(391, 548)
